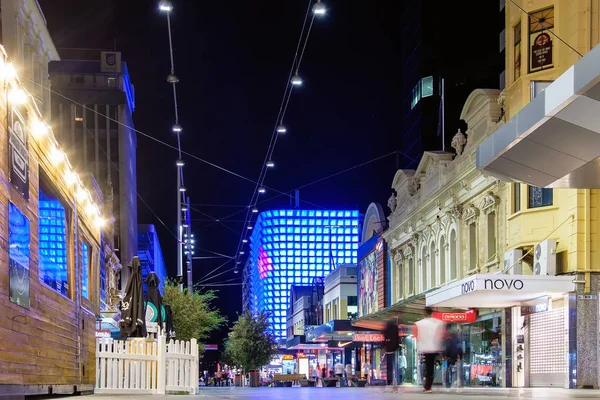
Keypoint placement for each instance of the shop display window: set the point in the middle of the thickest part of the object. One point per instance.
(482, 346)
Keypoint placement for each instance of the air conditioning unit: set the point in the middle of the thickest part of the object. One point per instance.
(513, 258)
(544, 258)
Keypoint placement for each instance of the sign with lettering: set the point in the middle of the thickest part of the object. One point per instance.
(541, 51)
(587, 297)
(18, 151)
(372, 338)
(405, 330)
(538, 306)
(103, 334)
(456, 317)
(503, 284)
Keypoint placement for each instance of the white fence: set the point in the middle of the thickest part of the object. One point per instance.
(146, 366)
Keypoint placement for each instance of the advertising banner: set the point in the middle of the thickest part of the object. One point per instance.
(18, 256)
(18, 151)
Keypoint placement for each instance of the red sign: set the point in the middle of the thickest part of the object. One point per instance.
(455, 317)
(365, 337)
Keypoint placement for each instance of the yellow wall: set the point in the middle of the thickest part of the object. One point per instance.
(572, 220)
(576, 22)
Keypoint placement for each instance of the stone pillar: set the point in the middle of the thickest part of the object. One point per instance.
(587, 337)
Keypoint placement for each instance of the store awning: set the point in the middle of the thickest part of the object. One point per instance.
(499, 291)
(339, 329)
(406, 311)
(299, 343)
(554, 141)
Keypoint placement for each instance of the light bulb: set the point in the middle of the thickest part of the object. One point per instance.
(255, 210)
(57, 156)
(182, 189)
(245, 241)
(8, 71)
(177, 128)
(17, 96)
(39, 128)
(296, 80)
(100, 222)
(261, 190)
(165, 5)
(70, 177)
(270, 164)
(319, 8)
(281, 129)
(180, 163)
(90, 209)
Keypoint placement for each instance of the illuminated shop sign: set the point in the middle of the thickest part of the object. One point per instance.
(365, 337)
(456, 317)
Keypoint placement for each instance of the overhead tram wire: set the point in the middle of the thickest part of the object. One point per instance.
(226, 218)
(143, 134)
(279, 127)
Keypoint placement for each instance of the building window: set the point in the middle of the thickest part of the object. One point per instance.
(103, 299)
(335, 310)
(399, 281)
(472, 245)
(112, 82)
(516, 197)
(541, 25)
(18, 256)
(53, 228)
(491, 236)
(85, 270)
(432, 264)
(352, 307)
(442, 260)
(517, 50)
(427, 86)
(453, 254)
(540, 197)
(411, 276)
(424, 268)
(415, 95)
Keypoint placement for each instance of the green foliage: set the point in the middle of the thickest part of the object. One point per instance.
(249, 343)
(193, 315)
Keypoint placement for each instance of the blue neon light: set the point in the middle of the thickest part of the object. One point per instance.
(53, 244)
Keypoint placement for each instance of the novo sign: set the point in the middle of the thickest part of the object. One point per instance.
(372, 338)
(493, 284)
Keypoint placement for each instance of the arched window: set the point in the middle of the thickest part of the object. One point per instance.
(442, 260)
(453, 254)
(424, 268)
(432, 258)
(399, 278)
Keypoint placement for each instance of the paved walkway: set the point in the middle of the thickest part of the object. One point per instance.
(382, 393)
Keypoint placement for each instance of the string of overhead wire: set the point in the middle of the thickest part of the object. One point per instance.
(294, 80)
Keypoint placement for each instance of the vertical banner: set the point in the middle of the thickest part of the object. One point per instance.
(18, 151)
(18, 254)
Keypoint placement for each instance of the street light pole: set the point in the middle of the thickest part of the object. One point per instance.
(190, 253)
(179, 233)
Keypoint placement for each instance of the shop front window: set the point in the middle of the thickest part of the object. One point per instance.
(85, 270)
(483, 360)
(53, 264)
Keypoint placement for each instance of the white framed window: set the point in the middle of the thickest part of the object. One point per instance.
(442, 259)
(432, 265)
(453, 255)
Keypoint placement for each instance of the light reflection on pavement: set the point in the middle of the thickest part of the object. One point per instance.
(380, 393)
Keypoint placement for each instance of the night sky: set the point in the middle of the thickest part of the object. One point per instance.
(233, 59)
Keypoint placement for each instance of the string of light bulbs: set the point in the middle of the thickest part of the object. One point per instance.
(43, 134)
(294, 81)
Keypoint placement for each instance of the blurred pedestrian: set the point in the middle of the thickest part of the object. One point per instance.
(429, 333)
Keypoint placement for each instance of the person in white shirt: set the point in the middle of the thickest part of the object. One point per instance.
(401, 367)
(429, 333)
(339, 369)
(349, 371)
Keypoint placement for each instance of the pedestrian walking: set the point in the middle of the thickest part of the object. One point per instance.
(429, 333)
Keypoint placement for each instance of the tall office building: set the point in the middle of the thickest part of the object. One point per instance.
(150, 254)
(454, 41)
(93, 101)
(292, 247)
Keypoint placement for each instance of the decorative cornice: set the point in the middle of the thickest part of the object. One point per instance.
(470, 214)
(489, 203)
(455, 212)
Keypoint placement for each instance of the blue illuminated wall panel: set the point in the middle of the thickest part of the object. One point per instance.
(291, 247)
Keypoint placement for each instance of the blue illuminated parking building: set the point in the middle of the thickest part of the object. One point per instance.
(291, 247)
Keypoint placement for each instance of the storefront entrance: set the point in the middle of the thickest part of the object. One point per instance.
(482, 346)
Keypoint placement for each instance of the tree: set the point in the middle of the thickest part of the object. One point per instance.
(250, 344)
(193, 315)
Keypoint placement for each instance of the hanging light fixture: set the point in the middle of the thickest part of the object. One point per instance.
(296, 80)
(255, 210)
(70, 177)
(172, 78)
(281, 129)
(39, 128)
(182, 189)
(165, 5)
(319, 8)
(262, 190)
(184, 208)
(180, 162)
(249, 227)
(177, 128)
(8, 71)
(245, 241)
(57, 156)
(242, 253)
(270, 164)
